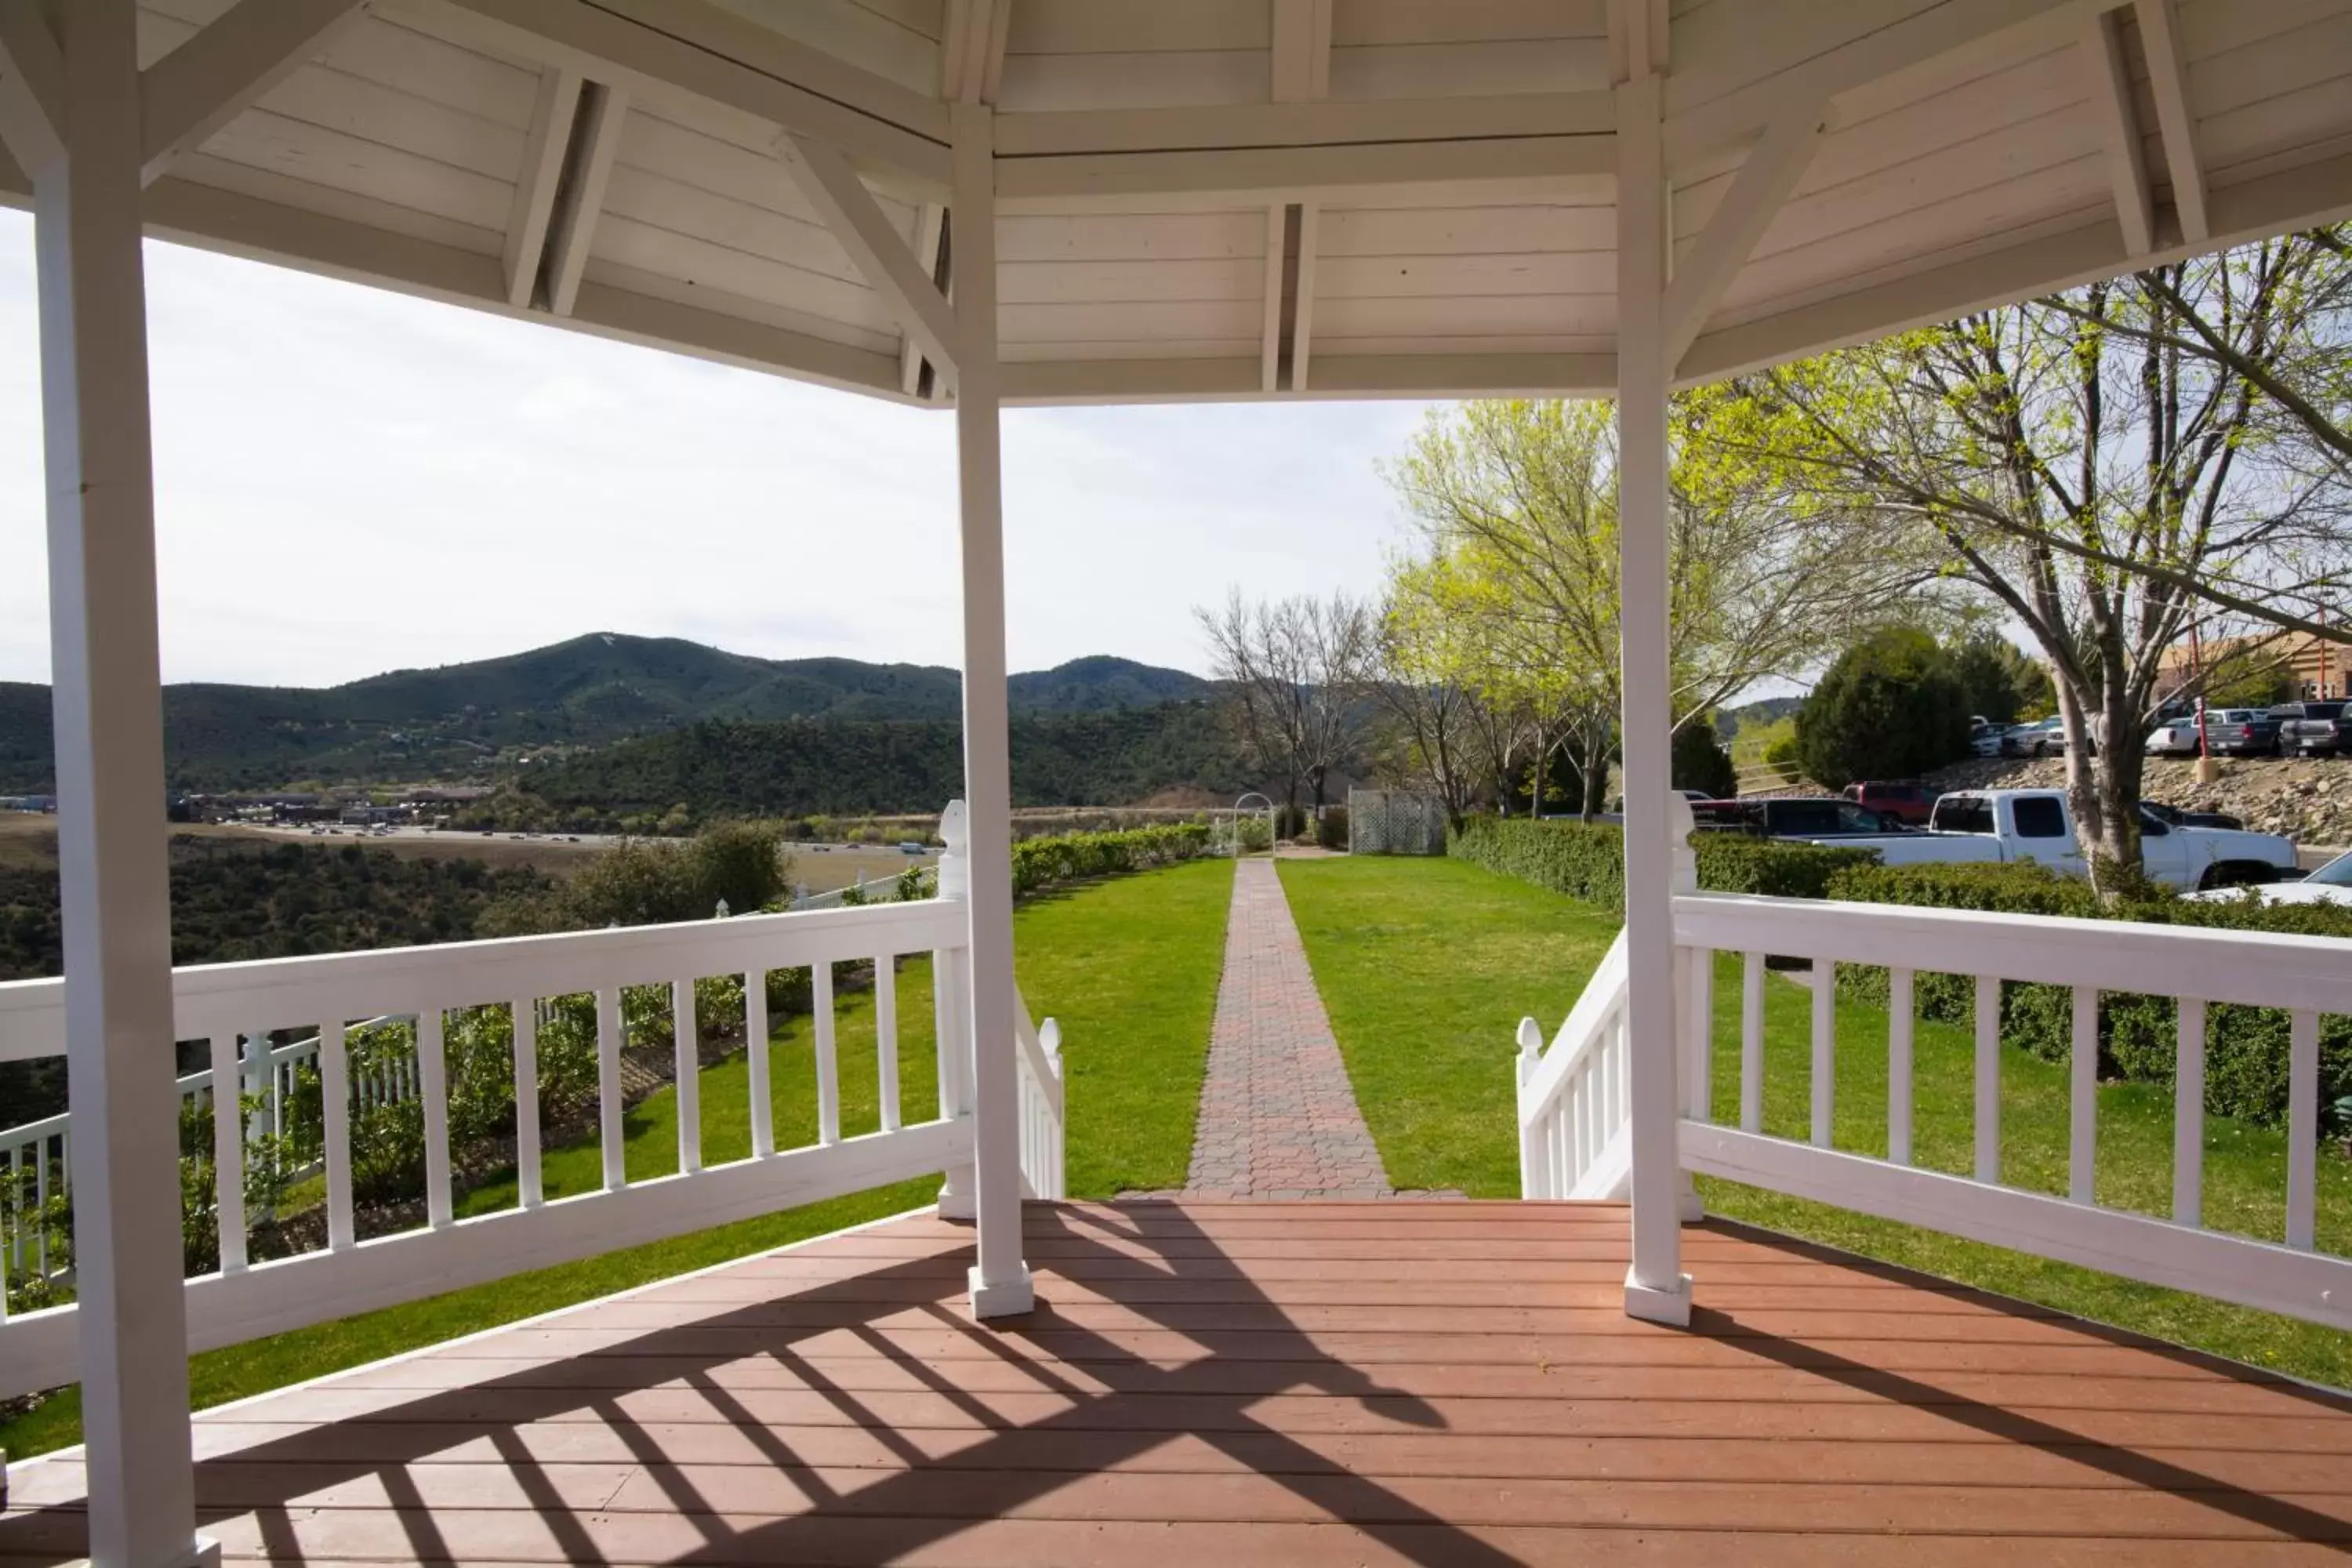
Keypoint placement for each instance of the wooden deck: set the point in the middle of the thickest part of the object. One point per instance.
(1297, 1383)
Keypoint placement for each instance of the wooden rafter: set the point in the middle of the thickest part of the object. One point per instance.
(881, 253)
(930, 231)
(1270, 333)
(32, 86)
(971, 50)
(212, 78)
(1299, 71)
(2168, 79)
(1762, 185)
(1301, 52)
(536, 184)
(2111, 100)
(575, 223)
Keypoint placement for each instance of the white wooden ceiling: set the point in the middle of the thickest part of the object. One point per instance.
(1434, 217)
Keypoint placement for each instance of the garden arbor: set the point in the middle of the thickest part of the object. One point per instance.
(981, 202)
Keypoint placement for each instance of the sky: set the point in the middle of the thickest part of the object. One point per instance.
(348, 481)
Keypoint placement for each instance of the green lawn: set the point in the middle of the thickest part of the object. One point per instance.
(1426, 966)
(1130, 966)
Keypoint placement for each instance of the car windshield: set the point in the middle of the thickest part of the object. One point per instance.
(2337, 873)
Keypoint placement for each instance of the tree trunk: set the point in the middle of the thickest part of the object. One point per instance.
(1596, 776)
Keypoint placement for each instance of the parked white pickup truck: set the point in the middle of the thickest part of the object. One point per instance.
(1990, 825)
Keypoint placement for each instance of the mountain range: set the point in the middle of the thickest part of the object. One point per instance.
(460, 721)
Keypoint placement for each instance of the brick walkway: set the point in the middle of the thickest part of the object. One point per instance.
(1278, 1116)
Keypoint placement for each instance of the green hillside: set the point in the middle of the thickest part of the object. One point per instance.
(721, 768)
(462, 721)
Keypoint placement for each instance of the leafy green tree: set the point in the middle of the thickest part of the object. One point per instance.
(1700, 761)
(2002, 683)
(1889, 707)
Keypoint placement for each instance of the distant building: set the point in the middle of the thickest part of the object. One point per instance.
(2316, 668)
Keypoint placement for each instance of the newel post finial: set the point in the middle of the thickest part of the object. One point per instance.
(1680, 825)
(955, 860)
(1530, 1048)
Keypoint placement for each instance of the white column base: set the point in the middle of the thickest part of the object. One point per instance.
(1652, 1305)
(203, 1553)
(958, 1199)
(1009, 1298)
(1686, 1201)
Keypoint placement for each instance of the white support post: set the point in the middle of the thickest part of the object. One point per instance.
(999, 1280)
(1655, 1287)
(116, 898)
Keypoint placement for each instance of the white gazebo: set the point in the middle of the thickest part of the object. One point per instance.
(975, 202)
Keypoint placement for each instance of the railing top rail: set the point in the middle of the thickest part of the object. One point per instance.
(2259, 969)
(404, 980)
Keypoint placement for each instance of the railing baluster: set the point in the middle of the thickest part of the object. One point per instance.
(2082, 1109)
(14, 1210)
(1899, 1065)
(885, 1039)
(2188, 1115)
(1988, 1111)
(1824, 1050)
(755, 1044)
(608, 1088)
(828, 1073)
(689, 1056)
(2302, 1127)
(228, 1150)
(528, 1189)
(431, 1069)
(41, 1207)
(335, 1115)
(1698, 1096)
(1751, 1042)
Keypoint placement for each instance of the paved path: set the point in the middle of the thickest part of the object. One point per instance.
(1279, 1119)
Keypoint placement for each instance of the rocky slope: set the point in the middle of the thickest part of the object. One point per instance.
(2309, 802)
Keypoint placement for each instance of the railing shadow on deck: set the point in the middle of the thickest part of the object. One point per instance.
(895, 1514)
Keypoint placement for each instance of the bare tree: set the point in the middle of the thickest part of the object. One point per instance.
(1299, 670)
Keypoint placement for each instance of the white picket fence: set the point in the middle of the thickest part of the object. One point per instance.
(1573, 1107)
(226, 1003)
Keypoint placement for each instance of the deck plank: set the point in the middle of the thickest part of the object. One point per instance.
(1302, 1384)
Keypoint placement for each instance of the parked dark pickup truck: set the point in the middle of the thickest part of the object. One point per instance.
(2314, 728)
(1792, 816)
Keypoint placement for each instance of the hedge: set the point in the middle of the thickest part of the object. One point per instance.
(1587, 860)
(1045, 861)
(2246, 1047)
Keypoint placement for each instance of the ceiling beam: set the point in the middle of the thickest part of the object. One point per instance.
(2168, 79)
(32, 86)
(1746, 210)
(693, 50)
(2111, 100)
(1270, 332)
(1637, 38)
(879, 250)
(605, 108)
(214, 77)
(1300, 67)
(1301, 172)
(931, 253)
(971, 50)
(1039, 133)
(551, 119)
(1302, 308)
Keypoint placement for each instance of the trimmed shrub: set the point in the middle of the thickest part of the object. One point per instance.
(1587, 861)
(1332, 829)
(2245, 1050)
(1890, 708)
(1058, 858)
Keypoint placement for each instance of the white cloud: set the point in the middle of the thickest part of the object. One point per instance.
(350, 480)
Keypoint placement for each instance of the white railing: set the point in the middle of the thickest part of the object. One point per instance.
(1572, 1141)
(2305, 976)
(1040, 1104)
(225, 1003)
